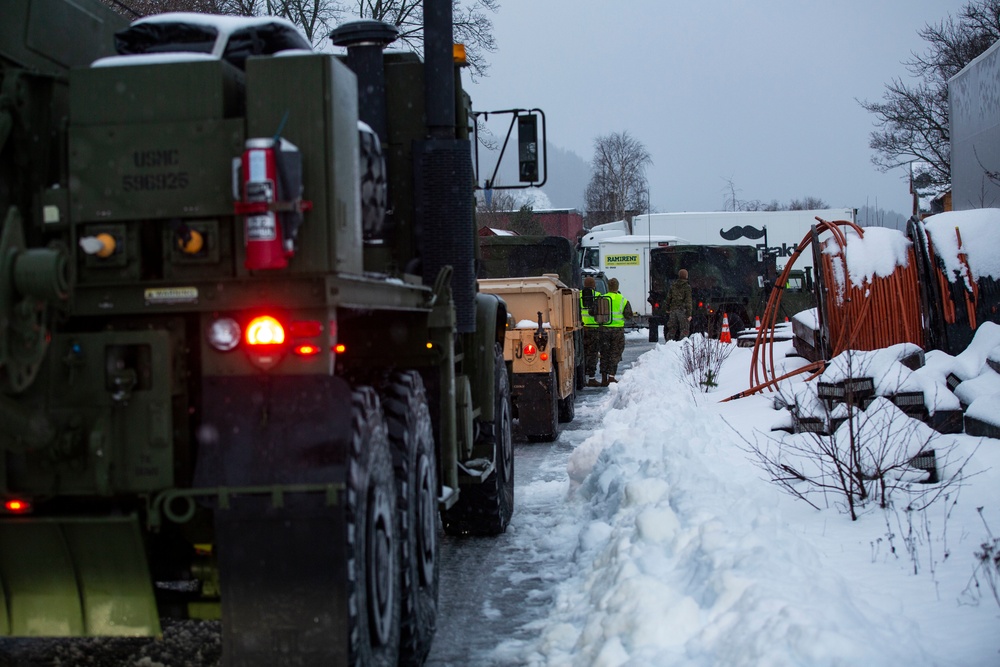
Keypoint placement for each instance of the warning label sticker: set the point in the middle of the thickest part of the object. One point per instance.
(167, 295)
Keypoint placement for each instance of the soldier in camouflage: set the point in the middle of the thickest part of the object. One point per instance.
(678, 306)
(591, 331)
(613, 335)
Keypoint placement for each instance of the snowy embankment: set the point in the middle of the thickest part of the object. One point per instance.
(683, 555)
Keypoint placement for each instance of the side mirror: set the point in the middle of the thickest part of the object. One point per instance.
(527, 148)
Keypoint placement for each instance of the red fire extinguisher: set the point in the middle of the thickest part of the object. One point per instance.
(271, 203)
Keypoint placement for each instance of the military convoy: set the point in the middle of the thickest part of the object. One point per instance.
(245, 368)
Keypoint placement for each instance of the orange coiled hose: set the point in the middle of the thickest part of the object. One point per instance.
(878, 313)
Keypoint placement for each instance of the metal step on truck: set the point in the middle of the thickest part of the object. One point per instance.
(245, 368)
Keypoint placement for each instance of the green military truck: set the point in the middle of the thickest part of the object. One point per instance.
(725, 280)
(244, 365)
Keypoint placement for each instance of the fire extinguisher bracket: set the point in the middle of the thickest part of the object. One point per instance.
(270, 179)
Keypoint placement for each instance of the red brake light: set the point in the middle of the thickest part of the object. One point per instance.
(17, 506)
(265, 330)
(339, 348)
(530, 349)
(306, 350)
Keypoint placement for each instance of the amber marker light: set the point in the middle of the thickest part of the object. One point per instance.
(265, 330)
(306, 350)
(544, 356)
(340, 348)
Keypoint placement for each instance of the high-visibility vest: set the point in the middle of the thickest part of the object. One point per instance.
(585, 316)
(618, 303)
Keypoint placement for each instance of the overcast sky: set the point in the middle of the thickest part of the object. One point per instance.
(762, 92)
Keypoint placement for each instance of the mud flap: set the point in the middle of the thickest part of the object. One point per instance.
(73, 577)
(284, 596)
(281, 555)
(537, 406)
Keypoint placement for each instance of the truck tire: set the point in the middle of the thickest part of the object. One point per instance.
(412, 441)
(552, 432)
(485, 509)
(567, 407)
(373, 577)
(374, 197)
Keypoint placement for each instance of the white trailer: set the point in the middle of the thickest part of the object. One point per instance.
(627, 259)
(779, 231)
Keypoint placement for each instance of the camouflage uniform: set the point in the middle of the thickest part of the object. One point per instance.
(591, 332)
(678, 305)
(613, 335)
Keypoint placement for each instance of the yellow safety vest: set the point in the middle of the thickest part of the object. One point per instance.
(618, 302)
(585, 316)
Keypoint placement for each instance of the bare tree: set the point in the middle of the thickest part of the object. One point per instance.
(471, 18)
(912, 119)
(618, 187)
(497, 211)
(734, 203)
(806, 204)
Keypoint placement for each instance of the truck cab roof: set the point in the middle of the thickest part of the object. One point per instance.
(230, 38)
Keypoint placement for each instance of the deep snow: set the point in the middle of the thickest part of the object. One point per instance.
(684, 555)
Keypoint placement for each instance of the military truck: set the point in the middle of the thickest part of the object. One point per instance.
(540, 350)
(725, 280)
(245, 369)
(529, 255)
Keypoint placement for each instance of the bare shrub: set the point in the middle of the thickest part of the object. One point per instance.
(987, 572)
(850, 457)
(702, 359)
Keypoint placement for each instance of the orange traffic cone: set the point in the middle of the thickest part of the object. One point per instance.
(756, 323)
(724, 336)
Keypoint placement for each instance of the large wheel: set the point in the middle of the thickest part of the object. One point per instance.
(372, 537)
(567, 407)
(485, 509)
(373, 183)
(413, 454)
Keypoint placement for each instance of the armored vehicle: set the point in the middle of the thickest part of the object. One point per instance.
(244, 365)
(540, 350)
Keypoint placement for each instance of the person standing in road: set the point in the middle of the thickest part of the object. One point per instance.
(678, 306)
(591, 330)
(613, 339)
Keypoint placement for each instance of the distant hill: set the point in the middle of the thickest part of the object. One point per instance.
(568, 175)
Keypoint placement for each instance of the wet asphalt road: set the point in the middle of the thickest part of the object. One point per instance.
(492, 589)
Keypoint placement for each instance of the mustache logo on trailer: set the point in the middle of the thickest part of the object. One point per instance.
(737, 232)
